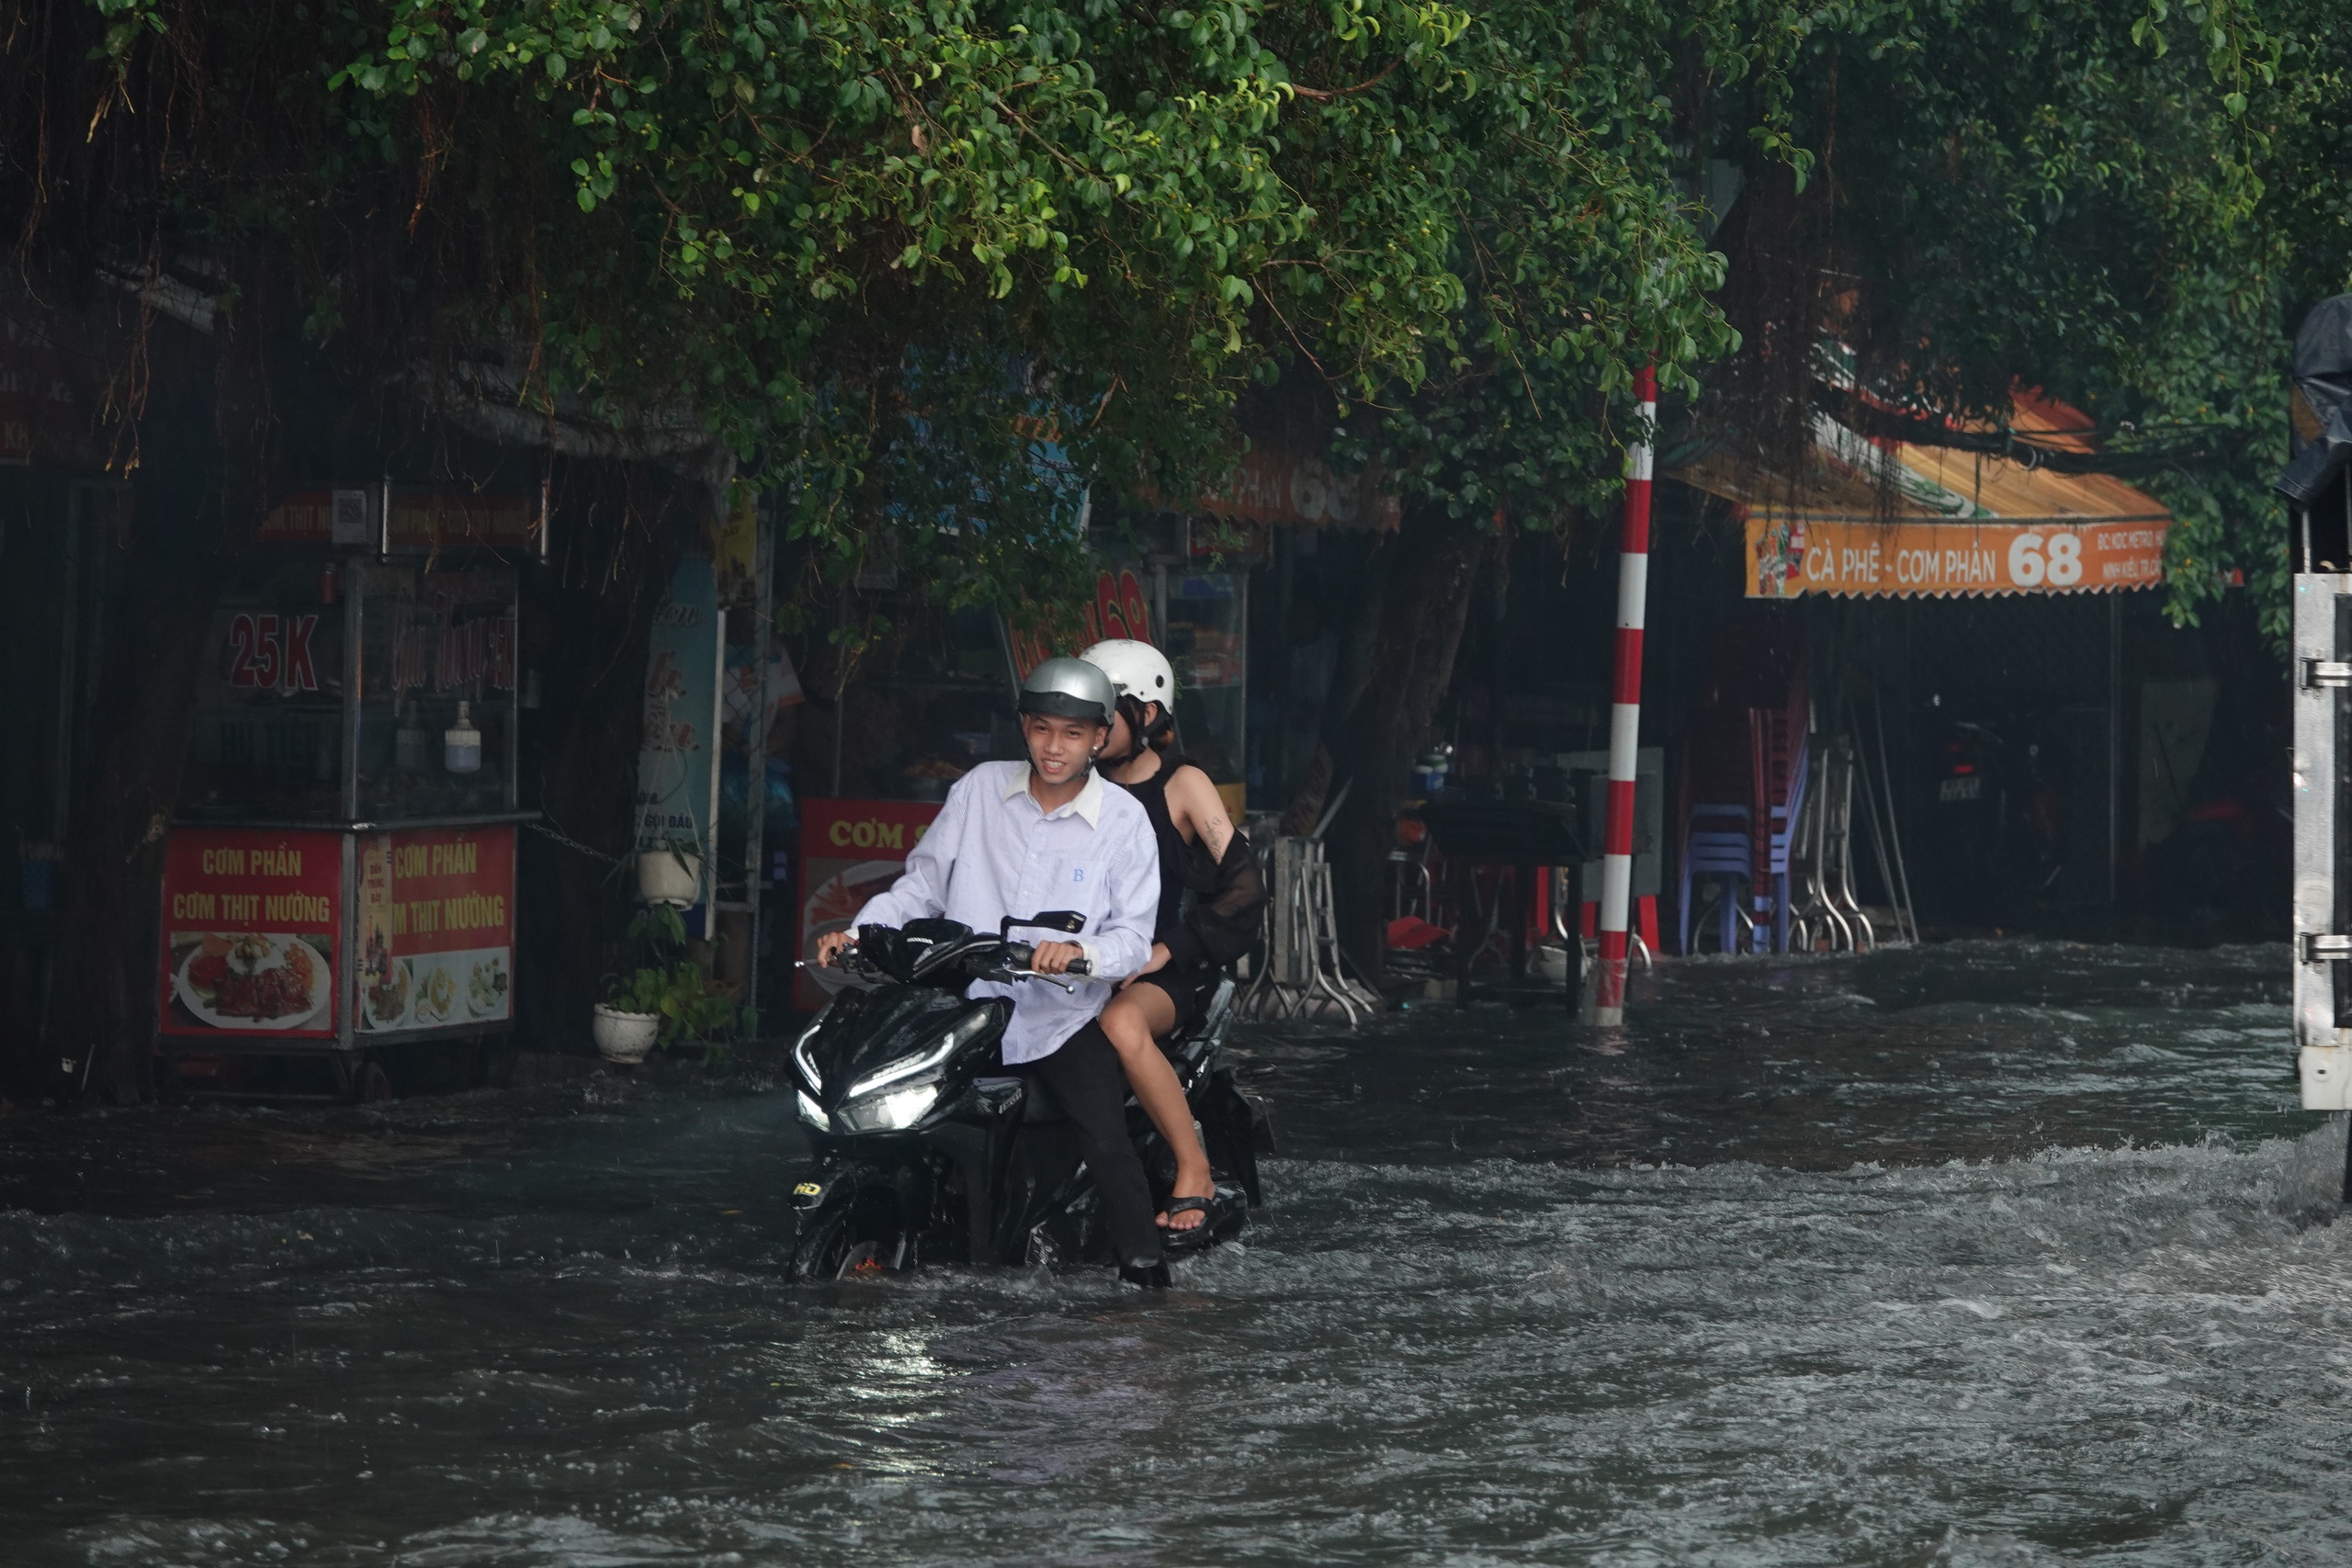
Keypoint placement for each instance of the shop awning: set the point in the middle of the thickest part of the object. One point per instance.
(1880, 519)
(1281, 479)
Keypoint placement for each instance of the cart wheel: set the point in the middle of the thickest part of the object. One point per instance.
(372, 1084)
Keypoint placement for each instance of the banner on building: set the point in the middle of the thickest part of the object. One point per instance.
(422, 520)
(436, 933)
(850, 851)
(1120, 608)
(249, 922)
(1863, 558)
(1277, 481)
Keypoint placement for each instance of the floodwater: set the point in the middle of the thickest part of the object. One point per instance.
(1985, 1255)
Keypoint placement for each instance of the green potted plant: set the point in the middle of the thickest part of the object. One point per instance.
(662, 997)
(669, 872)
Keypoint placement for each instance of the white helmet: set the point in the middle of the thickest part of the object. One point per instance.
(1137, 668)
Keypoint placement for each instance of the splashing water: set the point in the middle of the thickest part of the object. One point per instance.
(1982, 1255)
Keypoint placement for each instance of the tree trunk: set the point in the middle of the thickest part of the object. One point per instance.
(1417, 610)
(201, 488)
(588, 616)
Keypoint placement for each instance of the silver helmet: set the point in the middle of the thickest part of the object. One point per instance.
(1069, 688)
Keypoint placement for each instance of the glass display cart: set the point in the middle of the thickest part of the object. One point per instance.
(1205, 619)
(339, 882)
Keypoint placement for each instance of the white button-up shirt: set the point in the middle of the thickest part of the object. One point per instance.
(995, 852)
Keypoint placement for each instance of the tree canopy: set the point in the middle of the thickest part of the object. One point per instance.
(933, 266)
(2125, 201)
(928, 262)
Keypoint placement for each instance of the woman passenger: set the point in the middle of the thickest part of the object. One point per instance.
(1210, 899)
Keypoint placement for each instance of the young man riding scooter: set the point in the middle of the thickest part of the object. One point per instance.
(1047, 845)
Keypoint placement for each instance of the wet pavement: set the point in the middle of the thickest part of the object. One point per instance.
(1991, 1254)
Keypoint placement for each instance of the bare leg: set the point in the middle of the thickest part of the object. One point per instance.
(1134, 1017)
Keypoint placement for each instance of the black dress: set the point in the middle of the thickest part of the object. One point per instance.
(1208, 910)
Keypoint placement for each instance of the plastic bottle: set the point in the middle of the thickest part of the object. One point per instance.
(409, 742)
(461, 744)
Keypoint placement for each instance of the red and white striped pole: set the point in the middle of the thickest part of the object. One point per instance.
(1608, 1008)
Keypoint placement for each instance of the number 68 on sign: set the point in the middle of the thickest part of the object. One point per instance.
(2056, 559)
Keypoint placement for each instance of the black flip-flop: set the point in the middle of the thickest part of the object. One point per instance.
(1207, 1233)
(1176, 1206)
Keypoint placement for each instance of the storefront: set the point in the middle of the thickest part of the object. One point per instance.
(1971, 626)
(340, 881)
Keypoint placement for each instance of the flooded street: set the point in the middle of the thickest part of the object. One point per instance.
(1992, 1254)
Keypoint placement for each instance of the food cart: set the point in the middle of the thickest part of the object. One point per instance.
(339, 882)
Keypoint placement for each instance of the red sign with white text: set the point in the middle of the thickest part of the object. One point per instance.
(1118, 609)
(436, 932)
(850, 851)
(249, 928)
(421, 521)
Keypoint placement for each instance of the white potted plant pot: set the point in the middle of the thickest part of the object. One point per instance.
(667, 875)
(624, 1036)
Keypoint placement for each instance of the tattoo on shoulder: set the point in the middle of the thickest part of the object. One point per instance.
(1191, 791)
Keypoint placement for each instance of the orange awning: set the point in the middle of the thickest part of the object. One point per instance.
(1870, 518)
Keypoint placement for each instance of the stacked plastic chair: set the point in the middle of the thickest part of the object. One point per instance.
(1717, 844)
(1747, 760)
(1717, 823)
(1780, 749)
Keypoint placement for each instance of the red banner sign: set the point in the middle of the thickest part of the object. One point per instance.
(850, 851)
(249, 928)
(437, 932)
(1120, 608)
(1275, 483)
(421, 520)
(39, 416)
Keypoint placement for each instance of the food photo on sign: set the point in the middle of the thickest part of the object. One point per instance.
(251, 979)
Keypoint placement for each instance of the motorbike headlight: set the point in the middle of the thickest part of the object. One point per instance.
(800, 1057)
(961, 1032)
(892, 1112)
(812, 1113)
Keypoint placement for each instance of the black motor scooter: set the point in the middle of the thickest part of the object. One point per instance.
(931, 1150)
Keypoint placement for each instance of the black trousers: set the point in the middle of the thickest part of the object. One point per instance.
(1086, 1080)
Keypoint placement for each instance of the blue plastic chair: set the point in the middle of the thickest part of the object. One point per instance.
(1717, 851)
(1770, 902)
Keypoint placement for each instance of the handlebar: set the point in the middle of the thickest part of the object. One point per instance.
(1021, 954)
(1018, 954)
